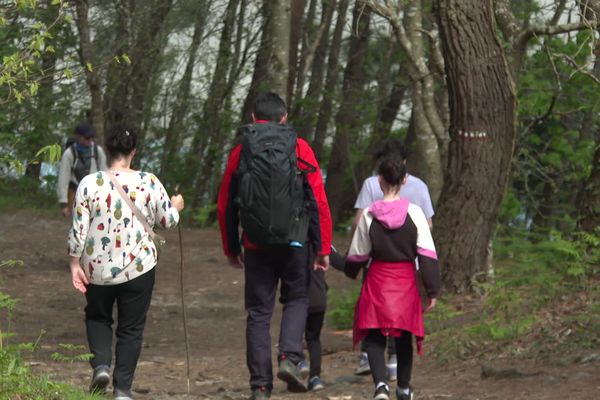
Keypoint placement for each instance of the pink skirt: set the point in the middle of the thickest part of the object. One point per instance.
(389, 301)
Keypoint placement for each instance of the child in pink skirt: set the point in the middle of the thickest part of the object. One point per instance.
(392, 233)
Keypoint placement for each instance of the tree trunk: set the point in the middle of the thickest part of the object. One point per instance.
(348, 117)
(90, 66)
(260, 73)
(279, 64)
(482, 138)
(118, 91)
(296, 33)
(424, 152)
(331, 81)
(205, 159)
(306, 107)
(180, 108)
(146, 59)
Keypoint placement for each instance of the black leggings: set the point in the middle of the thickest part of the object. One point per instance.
(376, 350)
(314, 323)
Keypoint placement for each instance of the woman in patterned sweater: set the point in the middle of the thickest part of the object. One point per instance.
(113, 258)
(391, 234)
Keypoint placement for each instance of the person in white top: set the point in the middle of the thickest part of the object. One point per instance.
(113, 258)
(82, 156)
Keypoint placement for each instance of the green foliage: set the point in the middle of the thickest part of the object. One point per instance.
(19, 382)
(19, 75)
(71, 353)
(25, 193)
(341, 307)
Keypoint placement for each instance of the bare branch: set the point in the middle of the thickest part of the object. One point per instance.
(540, 30)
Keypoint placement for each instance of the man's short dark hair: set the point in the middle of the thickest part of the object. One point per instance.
(391, 148)
(269, 107)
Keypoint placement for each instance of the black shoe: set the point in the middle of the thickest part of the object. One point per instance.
(400, 395)
(262, 393)
(382, 393)
(100, 379)
(290, 374)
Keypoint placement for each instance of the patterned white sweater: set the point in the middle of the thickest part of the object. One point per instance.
(112, 244)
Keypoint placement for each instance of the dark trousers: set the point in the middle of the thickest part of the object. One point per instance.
(263, 269)
(404, 351)
(133, 300)
(314, 324)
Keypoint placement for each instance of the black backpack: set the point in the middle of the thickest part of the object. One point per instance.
(273, 207)
(80, 167)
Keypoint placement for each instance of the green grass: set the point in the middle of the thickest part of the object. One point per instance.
(19, 382)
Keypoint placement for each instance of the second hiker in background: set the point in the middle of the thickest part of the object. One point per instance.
(81, 156)
(273, 187)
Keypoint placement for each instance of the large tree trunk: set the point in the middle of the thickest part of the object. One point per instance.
(90, 66)
(331, 81)
(182, 96)
(348, 117)
(482, 130)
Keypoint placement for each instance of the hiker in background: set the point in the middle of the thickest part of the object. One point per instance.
(273, 186)
(81, 156)
(391, 234)
(113, 257)
(416, 191)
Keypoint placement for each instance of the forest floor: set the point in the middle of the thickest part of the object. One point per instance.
(216, 323)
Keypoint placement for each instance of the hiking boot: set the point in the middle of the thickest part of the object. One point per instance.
(363, 365)
(392, 368)
(122, 394)
(100, 379)
(401, 395)
(290, 374)
(261, 393)
(304, 369)
(382, 392)
(315, 383)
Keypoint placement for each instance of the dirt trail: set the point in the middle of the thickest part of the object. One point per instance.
(214, 295)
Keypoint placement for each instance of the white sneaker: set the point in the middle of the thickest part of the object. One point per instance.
(392, 368)
(122, 394)
(363, 365)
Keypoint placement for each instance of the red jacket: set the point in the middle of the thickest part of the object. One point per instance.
(319, 232)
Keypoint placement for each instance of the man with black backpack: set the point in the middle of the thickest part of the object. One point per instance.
(81, 157)
(273, 187)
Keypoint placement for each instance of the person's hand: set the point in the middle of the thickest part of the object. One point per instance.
(78, 276)
(177, 202)
(431, 302)
(236, 261)
(66, 212)
(321, 262)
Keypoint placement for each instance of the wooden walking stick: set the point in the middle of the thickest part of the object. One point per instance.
(185, 334)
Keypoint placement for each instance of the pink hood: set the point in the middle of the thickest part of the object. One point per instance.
(391, 214)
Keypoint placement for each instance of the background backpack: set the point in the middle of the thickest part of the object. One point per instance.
(81, 166)
(273, 208)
